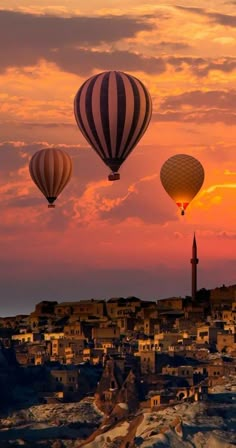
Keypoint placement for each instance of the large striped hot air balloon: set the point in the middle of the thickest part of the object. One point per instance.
(182, 177)
(113, 110)
(51, 170)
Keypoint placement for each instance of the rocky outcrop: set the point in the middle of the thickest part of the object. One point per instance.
(109, 386)
(129, 392)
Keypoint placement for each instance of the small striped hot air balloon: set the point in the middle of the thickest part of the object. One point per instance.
(51, 170)
(113, 110)
(182, 177)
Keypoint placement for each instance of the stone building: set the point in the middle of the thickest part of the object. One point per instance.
(226, 342)
(207, 334)
(83, 308)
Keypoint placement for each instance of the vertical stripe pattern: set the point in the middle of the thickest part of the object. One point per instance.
(113, 110)
(50, 170)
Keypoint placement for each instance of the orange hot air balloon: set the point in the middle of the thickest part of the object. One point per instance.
(51, 170)
(113, 110)
(182, 177)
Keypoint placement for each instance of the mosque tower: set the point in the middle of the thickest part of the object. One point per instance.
(194, 261)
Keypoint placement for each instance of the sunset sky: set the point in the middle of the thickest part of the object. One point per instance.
(124, 238)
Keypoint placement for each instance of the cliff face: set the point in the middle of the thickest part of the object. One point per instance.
(129, 392)
(114, 390)
(109, 386)
(111, 378)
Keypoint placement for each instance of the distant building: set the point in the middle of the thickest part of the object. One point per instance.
(172, 303)
(223, 297)
(26, 337)
(181, 371)
(120, 307)
(45, 307)
(53, 335)
(66, 381)
(74, 331)
(207, 334)
(82, 308)
(162, 341)
(226, 342)
(105, 337)
(148, 361)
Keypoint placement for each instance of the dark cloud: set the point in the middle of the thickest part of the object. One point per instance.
(32, 125)
(26, 38)
(215, 17)
(198, 117)
(176, 46)
(207, 107)
(194, 10)
(219, 99)
(24, 201)
(200, 67)
(84, 61)
(11, 158)
(48, 31)
(67, 42)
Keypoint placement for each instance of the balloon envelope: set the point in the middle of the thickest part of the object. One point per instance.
(113, 110)
(182, 177)
(51, 170)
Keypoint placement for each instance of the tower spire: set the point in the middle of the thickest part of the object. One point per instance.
(194, 261)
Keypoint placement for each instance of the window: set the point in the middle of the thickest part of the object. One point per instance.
(203, 333)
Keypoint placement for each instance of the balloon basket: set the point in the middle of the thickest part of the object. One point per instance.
(51, 206)
(114, 176)
(182, 206)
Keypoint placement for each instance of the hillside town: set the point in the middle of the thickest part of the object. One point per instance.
(126, 354)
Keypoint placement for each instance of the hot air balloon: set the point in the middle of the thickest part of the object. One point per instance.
(113, 110)
(182, 177)
(51, 170)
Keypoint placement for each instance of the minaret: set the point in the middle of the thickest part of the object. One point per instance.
(194, 262)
